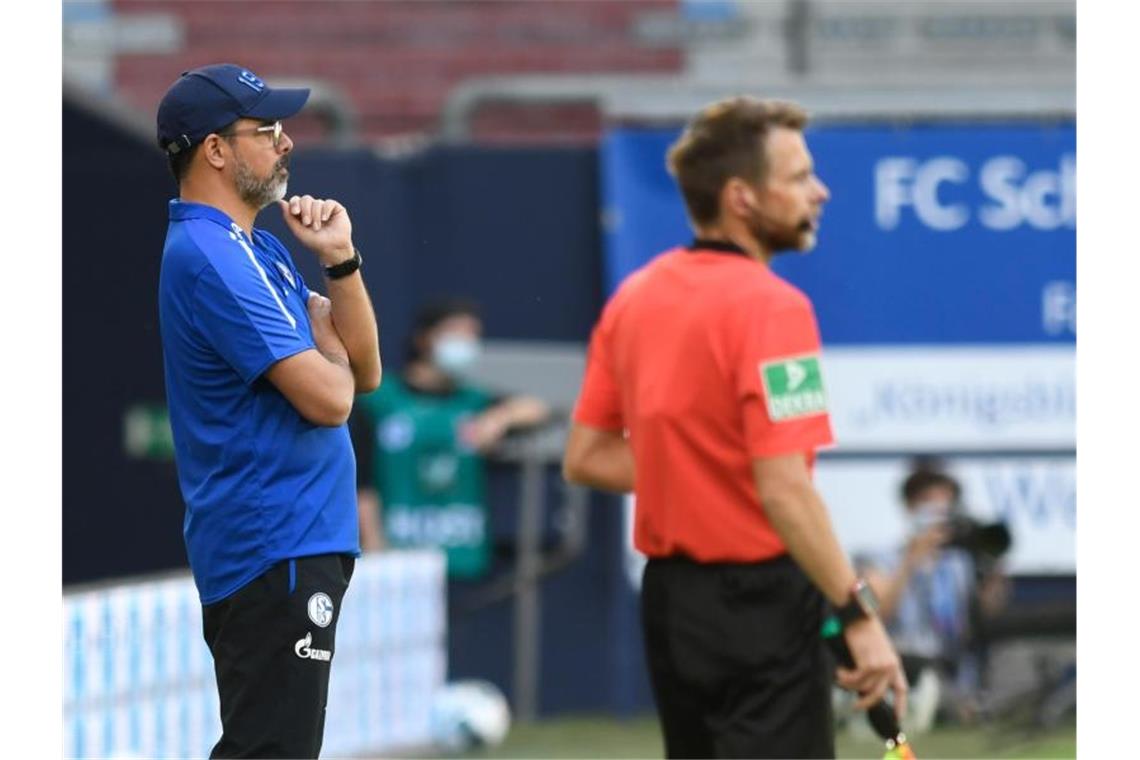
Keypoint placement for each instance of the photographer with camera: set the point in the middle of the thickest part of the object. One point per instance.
(936, 593)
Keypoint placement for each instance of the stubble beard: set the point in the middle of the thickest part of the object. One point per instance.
(782, 240)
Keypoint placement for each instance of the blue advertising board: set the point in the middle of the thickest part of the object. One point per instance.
(944, 282)
(934, 234)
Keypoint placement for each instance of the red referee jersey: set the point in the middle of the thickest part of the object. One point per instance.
(708, 360)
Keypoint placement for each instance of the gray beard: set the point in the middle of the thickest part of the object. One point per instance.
(256, 192)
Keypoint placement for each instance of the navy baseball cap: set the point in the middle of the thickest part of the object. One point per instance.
(208, 98)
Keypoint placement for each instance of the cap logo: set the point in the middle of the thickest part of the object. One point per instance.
(249, 79)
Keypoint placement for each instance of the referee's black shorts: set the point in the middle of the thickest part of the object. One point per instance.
(736, 660)
(273, 643)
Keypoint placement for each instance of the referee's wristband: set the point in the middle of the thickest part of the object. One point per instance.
(345, 268)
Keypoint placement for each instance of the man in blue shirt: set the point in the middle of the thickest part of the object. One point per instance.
(261, 373)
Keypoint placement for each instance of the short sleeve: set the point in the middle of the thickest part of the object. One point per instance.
(362, 429)
(779, 379)
(599, 402)
(244, 319)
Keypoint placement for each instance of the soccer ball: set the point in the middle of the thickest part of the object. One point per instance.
(469, 714)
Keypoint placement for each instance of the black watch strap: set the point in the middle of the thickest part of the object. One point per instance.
(861, 604)
(345, 268)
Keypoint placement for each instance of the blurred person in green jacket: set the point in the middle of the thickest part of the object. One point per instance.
(420, 440)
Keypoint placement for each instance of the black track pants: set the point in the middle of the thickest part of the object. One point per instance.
(273, 642)
(736, 660)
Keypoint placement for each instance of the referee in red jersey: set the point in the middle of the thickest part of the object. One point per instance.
(703, 395)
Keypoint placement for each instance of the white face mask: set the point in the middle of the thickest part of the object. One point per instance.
(927, 514)
(454, 354)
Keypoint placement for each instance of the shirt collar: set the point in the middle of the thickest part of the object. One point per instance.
(181, 210)
(716, 246)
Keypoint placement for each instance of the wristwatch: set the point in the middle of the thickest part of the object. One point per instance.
(861, 604)
(345, 268)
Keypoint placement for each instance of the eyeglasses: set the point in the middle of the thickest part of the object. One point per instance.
(274, 129)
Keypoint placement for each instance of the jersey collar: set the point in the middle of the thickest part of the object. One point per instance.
(181, 210)
(716, 246)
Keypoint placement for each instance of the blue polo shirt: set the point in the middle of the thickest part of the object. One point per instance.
(261, 483)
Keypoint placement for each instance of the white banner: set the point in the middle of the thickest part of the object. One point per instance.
(942, 398)
(1036, 496)
(139, 679)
